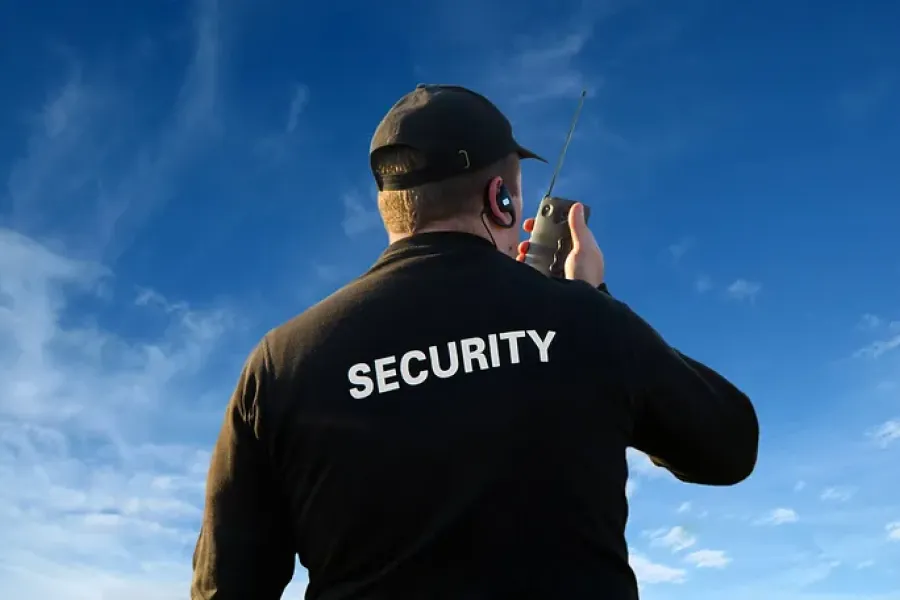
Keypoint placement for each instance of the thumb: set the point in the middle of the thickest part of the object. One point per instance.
(577, 226)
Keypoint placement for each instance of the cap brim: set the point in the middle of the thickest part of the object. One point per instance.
(526, 153)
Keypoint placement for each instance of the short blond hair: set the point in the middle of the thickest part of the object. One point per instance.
(407, 211)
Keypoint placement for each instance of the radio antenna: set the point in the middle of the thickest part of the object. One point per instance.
(562, 155)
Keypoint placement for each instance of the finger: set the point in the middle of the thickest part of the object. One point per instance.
(528, 225)
(523, 247)
(577, 226)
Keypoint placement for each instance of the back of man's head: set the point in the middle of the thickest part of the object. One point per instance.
(435, 155)
(453, 203)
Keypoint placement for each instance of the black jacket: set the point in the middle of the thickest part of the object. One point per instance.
(453, 424)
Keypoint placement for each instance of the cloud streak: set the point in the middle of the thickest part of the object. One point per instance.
(358, 217)
(88, 178)
(298, 103)
(837, 494)
(103, 433)
(879, 348)
(742, 289)
(85, 482)
(675, 539)
(887, 433)
(650, 573)
(547, 70)
(708, 559)
(779, 516)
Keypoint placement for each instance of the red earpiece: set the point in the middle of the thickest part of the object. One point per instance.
(499, 205)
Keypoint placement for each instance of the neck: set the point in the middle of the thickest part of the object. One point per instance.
(444, 226)
(481, 229)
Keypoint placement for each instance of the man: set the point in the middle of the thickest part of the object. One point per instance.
(453, 424)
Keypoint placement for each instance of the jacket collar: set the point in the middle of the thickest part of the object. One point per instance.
(433, 243)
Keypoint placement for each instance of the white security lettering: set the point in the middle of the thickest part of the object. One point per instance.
(495, 350)
(382, 374)
(472, 350)
(512, 337)
(475, 354)
(406, 374)
(543, 344)
(357, 376)
(436, 362)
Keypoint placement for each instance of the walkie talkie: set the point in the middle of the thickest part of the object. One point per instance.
(551, 240)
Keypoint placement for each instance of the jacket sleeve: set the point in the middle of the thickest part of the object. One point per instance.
(244, 549)
(687, 418)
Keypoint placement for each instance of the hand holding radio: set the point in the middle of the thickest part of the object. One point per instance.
(583, 259)
(560, 244)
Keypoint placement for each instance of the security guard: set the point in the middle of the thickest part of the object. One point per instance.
(453, 424)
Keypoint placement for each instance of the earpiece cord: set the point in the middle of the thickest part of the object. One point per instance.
(488, 229)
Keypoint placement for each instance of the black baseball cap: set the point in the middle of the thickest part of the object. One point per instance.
(455, 129)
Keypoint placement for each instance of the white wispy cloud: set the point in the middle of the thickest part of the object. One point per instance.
(869, 321)
(806, 575)
(675, 539)
(103, 436)
(887, 331)
(708, 559)
(742, 289)
(88, 177)
(95, 502)
(779, 516)
(649, 572)
(837, 494)
(548, 65)
(873, 322)
(893, 531)
(547, 69)
(879, 347)
(359, 216)
(104, 433)
(887, 433)
(684, 507)
(298, 103)
(282, 146)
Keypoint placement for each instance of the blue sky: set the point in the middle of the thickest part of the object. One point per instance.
(178, 177)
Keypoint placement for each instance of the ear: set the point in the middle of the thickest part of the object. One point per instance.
(493, 194)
